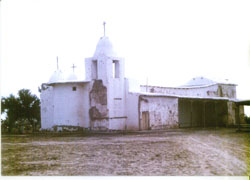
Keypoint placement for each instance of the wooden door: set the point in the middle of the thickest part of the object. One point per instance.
(145, 120)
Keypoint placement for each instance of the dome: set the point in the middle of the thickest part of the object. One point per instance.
(199, 81)
(56, 76)
(72, 76)
(104, 47)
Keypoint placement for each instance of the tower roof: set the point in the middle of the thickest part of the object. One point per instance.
(199, 81)
(104, 47)
(72, 76)
(202, 81)
(56, 76)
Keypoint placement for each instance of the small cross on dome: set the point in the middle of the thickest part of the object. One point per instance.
(104, 23)
(73, 67)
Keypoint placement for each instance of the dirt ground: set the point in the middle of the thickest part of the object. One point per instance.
(172, 152)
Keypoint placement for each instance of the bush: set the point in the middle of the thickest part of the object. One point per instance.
(247, 119)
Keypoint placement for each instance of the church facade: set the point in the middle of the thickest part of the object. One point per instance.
(106, 100)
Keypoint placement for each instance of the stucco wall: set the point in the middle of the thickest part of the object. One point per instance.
(47, 108)
(117, 124)
(231, 113)
(242, 114)
(71, 107)
(228, 91)
(163, 111)
(132, 111)
(216, 90)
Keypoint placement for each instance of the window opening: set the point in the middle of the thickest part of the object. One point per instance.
(116, 69)
(94, 69)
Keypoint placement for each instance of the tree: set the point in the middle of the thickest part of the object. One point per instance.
(11, 107)
(30, 107)
(20, 110)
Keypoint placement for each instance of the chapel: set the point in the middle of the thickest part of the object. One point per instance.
(107, 100)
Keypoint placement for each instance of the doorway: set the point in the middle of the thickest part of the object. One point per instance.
(145, 120)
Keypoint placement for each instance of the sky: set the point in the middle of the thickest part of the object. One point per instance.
(167, 42)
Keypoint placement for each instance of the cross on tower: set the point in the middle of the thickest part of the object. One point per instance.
(57, 62)
(104, 23)
(73, 67)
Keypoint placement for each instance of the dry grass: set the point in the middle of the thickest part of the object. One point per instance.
(175, 152)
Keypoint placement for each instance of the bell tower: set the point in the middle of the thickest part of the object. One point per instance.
(105, 70)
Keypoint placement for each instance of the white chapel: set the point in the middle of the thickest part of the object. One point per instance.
(106, 100)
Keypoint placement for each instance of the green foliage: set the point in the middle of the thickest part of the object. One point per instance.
(247, 119)
(22, 112)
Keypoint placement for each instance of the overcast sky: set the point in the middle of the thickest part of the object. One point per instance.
(167, 41)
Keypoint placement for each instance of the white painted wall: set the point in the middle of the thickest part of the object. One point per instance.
(62, 106)
(117, 123)
(204, 91)
(71, 107)
(105, 56)
(229, 91)
(163, 111)
(47, 108)
(132, 111)
(102, 124)
(88, 72)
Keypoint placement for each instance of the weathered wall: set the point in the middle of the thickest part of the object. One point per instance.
(100, 124)
(235, 114)
(47, 107)
(71, 107)
(216, 90)
(228, 91)
(231, 113)
(163, 111)
(107, 96)
(99, 112)
(242, 114)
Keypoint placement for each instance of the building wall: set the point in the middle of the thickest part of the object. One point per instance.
(231, 113)
(216, 90)
(163, 111)
(242, 114)
(47, 107)
(228, 91)
(88, 70)
(71, 107)
(99, 112)
(111, 113)
(132, 109)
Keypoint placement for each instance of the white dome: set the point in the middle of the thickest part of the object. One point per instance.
(56, 76)
(72, 76)
(199, 81)
(104, 47)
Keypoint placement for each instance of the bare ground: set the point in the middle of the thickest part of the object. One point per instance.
(172, 152)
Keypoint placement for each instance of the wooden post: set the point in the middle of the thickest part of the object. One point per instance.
(204, 113)
(191, 113)
(216, 123)
(237, 115)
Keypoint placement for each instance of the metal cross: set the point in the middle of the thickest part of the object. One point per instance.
(57, 62)
(104, 23)
(73, 67)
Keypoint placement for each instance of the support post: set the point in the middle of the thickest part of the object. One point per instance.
(204, 113)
